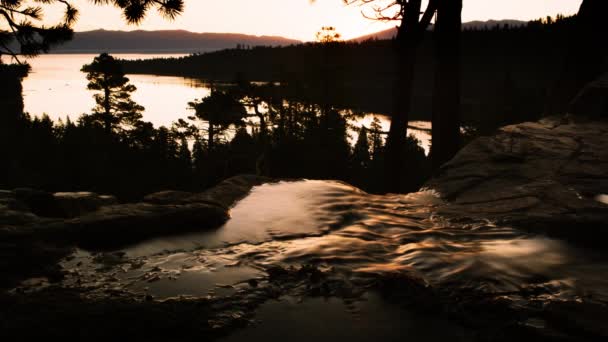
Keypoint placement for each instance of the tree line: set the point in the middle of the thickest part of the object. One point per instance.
(113, 150)
(488, 77)
(506, 71)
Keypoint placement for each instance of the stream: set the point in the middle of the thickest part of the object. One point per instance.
(352, 236)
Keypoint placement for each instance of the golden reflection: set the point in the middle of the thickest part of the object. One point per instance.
(56, 87)
(602, 198)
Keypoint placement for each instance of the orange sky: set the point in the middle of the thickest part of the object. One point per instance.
(299, 19)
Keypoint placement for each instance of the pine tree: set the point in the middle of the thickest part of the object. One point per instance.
(361, 156)
(220, 110)
(183, 165)
(115, 109)
(377, 143)
(183, 155)
(198, 156)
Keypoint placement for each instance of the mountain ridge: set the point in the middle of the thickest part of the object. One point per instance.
(184, 41)
(178, 41)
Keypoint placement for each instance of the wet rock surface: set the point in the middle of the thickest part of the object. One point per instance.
(96, 220)
(37, 229)
(543, 177)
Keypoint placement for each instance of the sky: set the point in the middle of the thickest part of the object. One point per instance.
(298, 19)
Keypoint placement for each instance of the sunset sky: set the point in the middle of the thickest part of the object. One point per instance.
(299, 19)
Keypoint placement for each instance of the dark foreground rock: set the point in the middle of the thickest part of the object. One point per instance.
(545, 177)
(118, 225)
(93, 220)
(34, 237)
(224, 194)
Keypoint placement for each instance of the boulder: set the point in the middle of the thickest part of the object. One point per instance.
(228, 192)
(16, 222)
(169, 197)
(122, 224)
(58, 205)
(225, 194)
(538, 176)
(6, 197)
(39, 202)
(73, 204)
(95, 221)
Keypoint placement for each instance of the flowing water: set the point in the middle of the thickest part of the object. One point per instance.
(355, 235)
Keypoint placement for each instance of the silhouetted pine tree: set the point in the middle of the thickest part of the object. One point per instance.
(220, 110)
(115, 109)
(198, 160)
(184, 164)
(361, 156)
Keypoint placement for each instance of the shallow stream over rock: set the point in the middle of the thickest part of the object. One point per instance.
(356, 237)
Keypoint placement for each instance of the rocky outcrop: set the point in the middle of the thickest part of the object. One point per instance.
(121, 224)
(58, 205)
(98, 221)
(224, 194)
(542, 176)
(74, 204)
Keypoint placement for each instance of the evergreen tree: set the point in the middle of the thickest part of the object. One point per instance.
(198, 157)
(184, 164)
(22, 21)
(361, 156)
(184, 155)
(115, 109)
(377, 143)
(220, 110)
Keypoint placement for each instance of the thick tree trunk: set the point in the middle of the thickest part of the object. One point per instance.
(446, 97)
(586, 57)
(395, 142)
(407, 42)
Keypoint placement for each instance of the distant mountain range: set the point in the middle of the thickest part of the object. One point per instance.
(390, 33)
(172, 41)
(180, 41)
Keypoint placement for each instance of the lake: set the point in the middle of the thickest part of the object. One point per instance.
(56, 87)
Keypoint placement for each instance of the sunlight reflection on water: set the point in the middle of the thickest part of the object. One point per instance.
(339, 227)
(56, 87)
(602, 198)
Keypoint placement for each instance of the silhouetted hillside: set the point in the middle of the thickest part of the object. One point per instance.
(163, 41)
(506, 71)
(477, 25)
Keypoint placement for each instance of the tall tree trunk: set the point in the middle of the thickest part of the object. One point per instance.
(263, 127)
(446, 97)
(211, 135)
(408, 39)
(585, 59)
(395, 142)
(107, 116)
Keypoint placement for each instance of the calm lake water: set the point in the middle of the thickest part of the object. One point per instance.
(56, 87)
